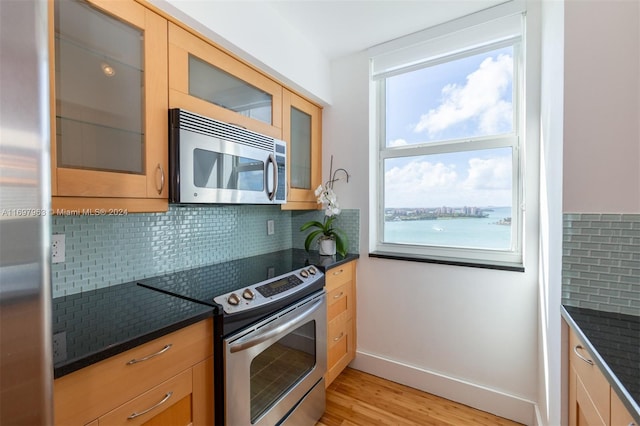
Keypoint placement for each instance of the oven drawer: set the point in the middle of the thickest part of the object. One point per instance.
(88, 393)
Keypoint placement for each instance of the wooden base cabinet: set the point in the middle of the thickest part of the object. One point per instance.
(168, 381)
(341, 318)
(619, 414)
(592, 401)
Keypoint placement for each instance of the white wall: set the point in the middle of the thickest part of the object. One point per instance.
(602, 107)
(258, 34)
(552, 352)
(467, 334)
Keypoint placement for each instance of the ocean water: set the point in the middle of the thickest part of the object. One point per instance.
(461, 232)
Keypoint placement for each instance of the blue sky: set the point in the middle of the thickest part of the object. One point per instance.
(465, 98)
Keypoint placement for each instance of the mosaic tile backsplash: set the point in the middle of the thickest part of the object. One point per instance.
(102, 251)
(601, 262)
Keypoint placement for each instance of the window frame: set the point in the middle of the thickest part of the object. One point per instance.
(511, 259)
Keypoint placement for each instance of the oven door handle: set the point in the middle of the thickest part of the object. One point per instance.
(268, 333)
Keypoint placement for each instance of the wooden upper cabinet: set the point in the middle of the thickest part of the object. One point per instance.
(208, 81)
(109, 106)
(302, 130)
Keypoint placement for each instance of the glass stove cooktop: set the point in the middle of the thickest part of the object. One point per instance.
(205, 283)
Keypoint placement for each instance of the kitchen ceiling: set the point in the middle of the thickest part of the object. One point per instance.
(342, 27)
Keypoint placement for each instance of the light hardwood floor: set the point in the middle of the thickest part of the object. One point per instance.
(357, 398)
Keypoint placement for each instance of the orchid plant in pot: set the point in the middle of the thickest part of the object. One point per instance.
(331, 240)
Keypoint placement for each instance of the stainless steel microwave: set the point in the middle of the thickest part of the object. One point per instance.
(212, 162)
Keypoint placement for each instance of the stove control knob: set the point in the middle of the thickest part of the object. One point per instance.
(304, 273)
(248, 294)
(312, 270)
(233, 299)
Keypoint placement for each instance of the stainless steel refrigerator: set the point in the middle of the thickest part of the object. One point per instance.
(25, 294)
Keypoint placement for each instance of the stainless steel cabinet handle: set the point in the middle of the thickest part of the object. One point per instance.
(338, 272)
(338, 296)
(161, 178)
(160, 352)
(575, 350)
(335, 339)
(141, 413)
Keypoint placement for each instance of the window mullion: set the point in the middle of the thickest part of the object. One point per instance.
(450, 147)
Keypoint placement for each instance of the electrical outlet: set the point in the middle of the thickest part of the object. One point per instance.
(57, 248)
(271, 229)
(59, 346)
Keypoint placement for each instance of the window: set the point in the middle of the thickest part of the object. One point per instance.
(448, 146)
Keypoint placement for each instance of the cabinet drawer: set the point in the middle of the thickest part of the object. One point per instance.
(174, 394)
(340, 347)
(339, 275)
(88, 393)
(590, 379)
(339, 301)
(336, 329)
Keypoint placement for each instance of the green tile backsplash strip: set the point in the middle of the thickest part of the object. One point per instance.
(601, 262)
(106, 250)
(348, 221)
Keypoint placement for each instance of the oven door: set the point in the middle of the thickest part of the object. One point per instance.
(277, 365)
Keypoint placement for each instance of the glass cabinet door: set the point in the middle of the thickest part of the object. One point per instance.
(206, 80)
(99, 90)
(108, 75)
(218, 87)
(300, 150)
(302, 131)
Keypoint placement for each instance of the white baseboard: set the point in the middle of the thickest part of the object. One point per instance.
(538, 418)
(476, 396)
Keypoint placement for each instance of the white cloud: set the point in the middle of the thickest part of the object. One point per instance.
(421, 183)
(481, 98)
(405, 186)
(492, 173)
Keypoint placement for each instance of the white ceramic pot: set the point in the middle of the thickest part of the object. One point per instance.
(327, 246)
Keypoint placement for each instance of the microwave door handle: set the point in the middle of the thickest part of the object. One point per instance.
(272, 160)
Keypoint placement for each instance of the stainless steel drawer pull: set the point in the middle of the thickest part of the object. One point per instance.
(338, 272)
(160, 352)
(575, 350)
(335, 339)
(338, 296)
(161, 170)
(141, 413)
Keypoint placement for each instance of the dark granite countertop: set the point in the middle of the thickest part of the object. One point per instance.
(94, 325)
(91, 326)
(323, 262)
(613, 341)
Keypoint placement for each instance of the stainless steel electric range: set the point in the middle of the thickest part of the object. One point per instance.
(269, 336)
